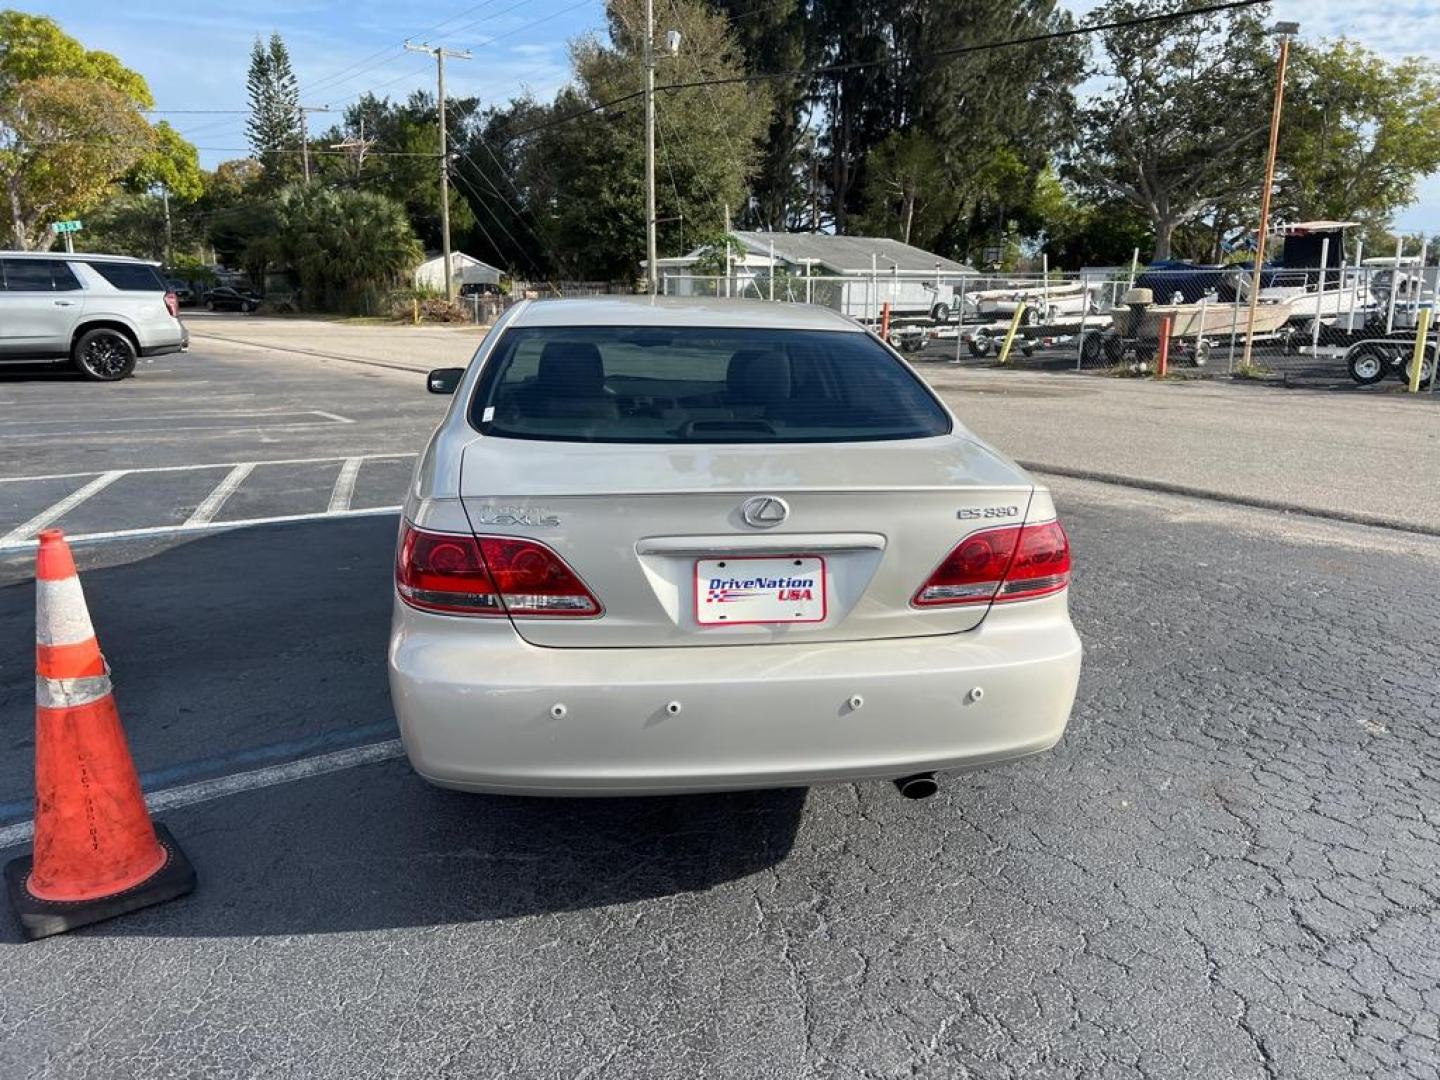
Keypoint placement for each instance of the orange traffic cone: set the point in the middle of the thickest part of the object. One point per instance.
(97, 854)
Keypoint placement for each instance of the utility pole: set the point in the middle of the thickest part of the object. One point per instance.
(1285, 30)
(360, 145)
(169, 235)
(305, 110)
(440, 53)
(652, 272)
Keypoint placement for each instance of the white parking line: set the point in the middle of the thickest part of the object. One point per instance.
(8, 547)
(237, 783)
(207, 465)
(62, 433)
(344, 489)
(192, 414)
(60, 509)
(211, 504)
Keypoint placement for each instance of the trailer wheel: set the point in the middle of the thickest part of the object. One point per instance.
(1114, 348)
(1092, 349)
(1367, 363)
(981, 343)
(1032, 316)
(940, 313)
(1427, 368)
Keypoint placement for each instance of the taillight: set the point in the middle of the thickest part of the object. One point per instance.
(172, 305)
(487, 575)
(1016, 562)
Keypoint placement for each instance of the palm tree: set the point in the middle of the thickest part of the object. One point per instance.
(345, 246)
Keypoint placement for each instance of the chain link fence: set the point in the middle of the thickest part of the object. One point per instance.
(1336, 326)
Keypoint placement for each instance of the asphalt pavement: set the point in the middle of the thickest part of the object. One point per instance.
(203, 438)
(1225, 870)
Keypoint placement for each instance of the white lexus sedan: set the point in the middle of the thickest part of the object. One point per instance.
(671, 545)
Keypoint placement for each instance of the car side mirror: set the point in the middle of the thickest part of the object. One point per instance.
(445, 380)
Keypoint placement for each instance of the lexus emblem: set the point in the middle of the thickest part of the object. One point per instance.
(765, 511)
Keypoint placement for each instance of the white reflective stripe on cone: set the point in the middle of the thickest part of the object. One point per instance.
(67, 693)
(61, 617)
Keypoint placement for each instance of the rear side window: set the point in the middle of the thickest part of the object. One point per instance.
(37, 275)
(131, 277)
(696, 384)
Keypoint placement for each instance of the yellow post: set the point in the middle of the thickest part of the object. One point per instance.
(414, 311)
(1004, 357)
(1417, 358)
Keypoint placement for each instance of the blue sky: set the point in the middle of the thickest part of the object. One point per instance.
(199, 61)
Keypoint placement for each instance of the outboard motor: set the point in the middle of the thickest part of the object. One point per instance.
(1137, 301)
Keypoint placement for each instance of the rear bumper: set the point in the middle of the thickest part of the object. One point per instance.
(167, 347)
(482, 710)
(165, 350)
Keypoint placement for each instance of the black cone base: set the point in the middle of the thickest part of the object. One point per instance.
(44, 918)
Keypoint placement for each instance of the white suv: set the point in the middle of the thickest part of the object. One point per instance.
(99, 312)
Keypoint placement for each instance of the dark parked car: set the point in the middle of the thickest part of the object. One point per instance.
(184, 294)
(227, 298)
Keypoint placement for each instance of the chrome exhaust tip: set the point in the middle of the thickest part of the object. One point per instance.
(920, 786)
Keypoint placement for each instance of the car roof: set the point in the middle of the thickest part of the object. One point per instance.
(78, 256)
(681, 311)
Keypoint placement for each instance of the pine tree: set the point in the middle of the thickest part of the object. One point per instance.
(274, 124)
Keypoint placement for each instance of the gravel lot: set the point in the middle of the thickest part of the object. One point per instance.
(1226, 870)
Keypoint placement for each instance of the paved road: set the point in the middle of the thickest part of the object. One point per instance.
(1226, 870)
(212, 436)
(1318, 450)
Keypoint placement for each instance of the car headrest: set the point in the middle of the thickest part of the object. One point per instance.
(758, 377)
(572, 369)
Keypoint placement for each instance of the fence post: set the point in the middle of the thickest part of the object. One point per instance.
(1162, 359)
(1394, 286)
(1084, 319)
(959, 318)
(1004, 358)
(1319, 298)
(414, 311)
(1234, 320)
(1200, 327)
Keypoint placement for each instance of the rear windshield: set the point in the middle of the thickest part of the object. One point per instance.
(695, 384)
(131, 277)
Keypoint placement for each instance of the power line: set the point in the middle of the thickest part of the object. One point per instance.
(358, 67)
(229, 149)
(859, 65)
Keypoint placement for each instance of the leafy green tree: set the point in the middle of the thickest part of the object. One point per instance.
(70, 127)
(581, 179)
(172, 164)
(1358, 133)
(274, 124)
(1181, 127)
(63, 142)
(904, 173)
(345, 247)
(773, 37)
(34, 47)
(403, 158)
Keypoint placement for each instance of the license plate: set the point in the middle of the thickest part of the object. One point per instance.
(744, 591)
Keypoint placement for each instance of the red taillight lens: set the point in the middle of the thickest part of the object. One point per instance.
(172, 305)
(440, 572)
(488, 575)
(1011, 563)
(533, 580)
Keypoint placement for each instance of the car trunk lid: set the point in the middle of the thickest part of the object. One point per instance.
(647, 528)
